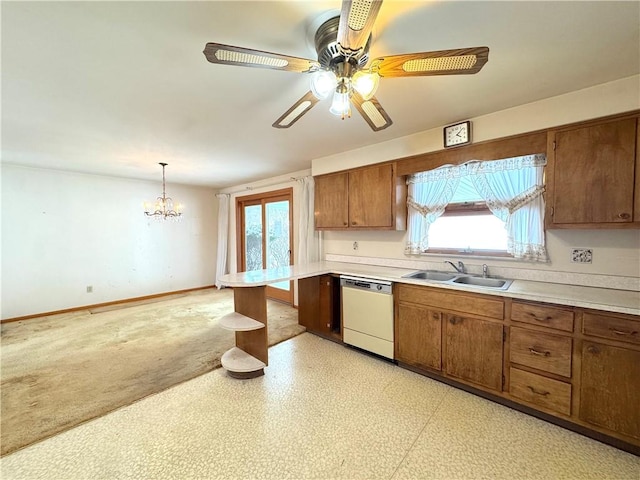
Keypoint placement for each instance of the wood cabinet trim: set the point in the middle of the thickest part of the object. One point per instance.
(476, 305)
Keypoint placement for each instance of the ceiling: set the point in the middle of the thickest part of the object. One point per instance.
(113, 88)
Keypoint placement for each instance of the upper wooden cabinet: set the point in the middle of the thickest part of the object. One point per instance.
(592, 173)
(364, 198)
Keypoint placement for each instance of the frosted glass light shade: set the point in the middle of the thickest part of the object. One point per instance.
(365, 84)
(323, 83)
(340, 105)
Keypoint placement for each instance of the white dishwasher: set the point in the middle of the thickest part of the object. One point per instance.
(367, 314)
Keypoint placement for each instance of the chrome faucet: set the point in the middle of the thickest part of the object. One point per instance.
(485, 270)
(459, 268)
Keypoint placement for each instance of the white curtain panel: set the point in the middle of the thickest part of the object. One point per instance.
(513, 190)
(308, 248)
(428, 193)
(223, 237)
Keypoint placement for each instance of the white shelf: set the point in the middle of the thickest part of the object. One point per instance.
(236, 360)
(239, 323)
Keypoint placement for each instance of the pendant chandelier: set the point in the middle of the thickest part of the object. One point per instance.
(162, 208)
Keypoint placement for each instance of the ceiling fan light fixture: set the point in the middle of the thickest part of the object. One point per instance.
(365, 83)
(323, 83)
(341, 106)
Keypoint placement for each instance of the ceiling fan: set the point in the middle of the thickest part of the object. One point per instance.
(342, 44)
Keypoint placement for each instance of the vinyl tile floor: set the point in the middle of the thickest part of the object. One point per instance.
(321, 411)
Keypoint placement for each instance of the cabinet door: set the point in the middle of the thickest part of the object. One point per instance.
(371, 197)
(331, 201)
(594, 174)
(610, 388)
(315, 304)
(474, 350)
(419, 337)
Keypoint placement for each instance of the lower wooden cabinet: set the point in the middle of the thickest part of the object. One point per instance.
(610, 388)
(419, 337)
(474, 350)
(434, 332)
(580, 366)
(319, 305)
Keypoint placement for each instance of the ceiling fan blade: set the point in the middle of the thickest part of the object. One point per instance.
(442, 62)
(372, 112)
(296, 111)
(356, 22)
(248, 57)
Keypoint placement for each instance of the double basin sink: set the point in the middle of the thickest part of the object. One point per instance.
(460, 279)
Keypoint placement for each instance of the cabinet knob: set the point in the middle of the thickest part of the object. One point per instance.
(455, 320)
(593, 349)
(624, 216)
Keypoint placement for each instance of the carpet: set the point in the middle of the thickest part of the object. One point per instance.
(61, 370)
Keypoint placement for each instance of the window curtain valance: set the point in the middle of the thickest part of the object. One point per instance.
(511, 187)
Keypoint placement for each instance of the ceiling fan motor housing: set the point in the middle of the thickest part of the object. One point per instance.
(330, 55)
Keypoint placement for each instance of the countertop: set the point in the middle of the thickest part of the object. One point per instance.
(621, 301)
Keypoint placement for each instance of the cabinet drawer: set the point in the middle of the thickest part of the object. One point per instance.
(557, 318)
(614, 328)
(441, 300)
(546, 392)
(542, 351)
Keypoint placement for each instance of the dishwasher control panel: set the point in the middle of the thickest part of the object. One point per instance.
(378, 286)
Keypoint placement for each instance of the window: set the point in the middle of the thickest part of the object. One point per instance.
(467, 225)
(485, 208)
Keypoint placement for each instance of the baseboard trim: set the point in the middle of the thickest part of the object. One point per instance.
(106, 304)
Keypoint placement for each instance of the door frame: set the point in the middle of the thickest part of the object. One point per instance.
(262, 199)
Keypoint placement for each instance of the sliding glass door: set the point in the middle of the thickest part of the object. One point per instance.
(265, 236)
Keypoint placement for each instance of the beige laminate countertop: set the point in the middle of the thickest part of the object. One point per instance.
(621, 301)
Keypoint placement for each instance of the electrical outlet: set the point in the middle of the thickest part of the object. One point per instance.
(89, 288)
(581, 255)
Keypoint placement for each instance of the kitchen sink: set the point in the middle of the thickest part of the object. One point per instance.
(433, 275)
(486, 282)
(460, 279)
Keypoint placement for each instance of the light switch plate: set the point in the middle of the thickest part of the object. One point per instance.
(581, 255)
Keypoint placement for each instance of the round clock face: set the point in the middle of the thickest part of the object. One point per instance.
(456, 134)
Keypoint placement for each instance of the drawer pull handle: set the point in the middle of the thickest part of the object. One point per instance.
(539, 353)
(538, 392)
(545, 319)
(622, 332)
(624, 215)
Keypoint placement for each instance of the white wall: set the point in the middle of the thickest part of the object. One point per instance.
(616, 252)
(62, 232)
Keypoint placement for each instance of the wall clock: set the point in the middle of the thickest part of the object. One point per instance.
(457, 134)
